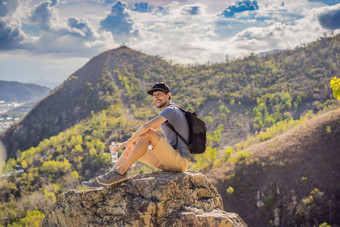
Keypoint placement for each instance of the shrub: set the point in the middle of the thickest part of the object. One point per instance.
(230, 190)
(335, 85)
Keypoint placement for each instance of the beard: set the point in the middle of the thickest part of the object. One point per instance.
(161, 105)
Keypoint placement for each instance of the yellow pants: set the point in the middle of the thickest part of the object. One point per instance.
(165, 157)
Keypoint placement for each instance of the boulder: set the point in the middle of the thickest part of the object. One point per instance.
(154, 199)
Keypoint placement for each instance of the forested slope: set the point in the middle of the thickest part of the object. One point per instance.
(235, 98)
(292, 179)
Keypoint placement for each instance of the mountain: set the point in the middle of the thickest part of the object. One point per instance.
(89, 90)
(64, 138)
(234, 98)
(11, 91)
(292, 179)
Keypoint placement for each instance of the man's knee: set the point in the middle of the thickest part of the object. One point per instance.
(151, 136)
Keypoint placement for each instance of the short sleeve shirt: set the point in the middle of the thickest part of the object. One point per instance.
(177, 118)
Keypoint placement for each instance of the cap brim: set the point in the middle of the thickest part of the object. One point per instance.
(150, 92)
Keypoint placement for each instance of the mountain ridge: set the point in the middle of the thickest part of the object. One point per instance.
(13, 91)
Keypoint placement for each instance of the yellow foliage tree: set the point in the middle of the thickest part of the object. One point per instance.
(335, 85)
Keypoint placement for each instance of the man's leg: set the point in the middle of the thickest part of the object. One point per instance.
(118, 175)
(95, 184)
(163, 156)
(150, 159)
(170, 159)
(141, 147)
(123, 157)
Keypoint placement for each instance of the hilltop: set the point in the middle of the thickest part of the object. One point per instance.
(12, 91)
(293, 177)
(234, 98)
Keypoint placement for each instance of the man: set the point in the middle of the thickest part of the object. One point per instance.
(171, 154)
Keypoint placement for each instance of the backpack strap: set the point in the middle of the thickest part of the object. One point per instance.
(173, 129)
(175, 105)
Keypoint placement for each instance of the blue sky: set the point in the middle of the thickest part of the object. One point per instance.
(46, 41)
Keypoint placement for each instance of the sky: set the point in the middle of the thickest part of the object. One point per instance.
(46, 41)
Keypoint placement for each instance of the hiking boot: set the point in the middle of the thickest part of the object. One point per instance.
(112, 177)
(93, 184)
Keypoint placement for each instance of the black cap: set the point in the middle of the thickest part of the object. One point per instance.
(159, 87)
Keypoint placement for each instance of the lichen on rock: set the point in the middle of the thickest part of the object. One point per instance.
(154, 199)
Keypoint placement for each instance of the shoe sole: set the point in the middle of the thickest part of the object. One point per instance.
(101, 187)
(113, 183)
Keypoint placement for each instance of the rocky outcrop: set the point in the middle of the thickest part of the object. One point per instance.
(155, 199)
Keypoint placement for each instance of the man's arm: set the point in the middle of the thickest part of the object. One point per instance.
(154, 124)
(157, 128)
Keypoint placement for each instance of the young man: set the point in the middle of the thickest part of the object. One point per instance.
(171, 154)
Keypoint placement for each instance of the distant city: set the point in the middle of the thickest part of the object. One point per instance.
(8, 115)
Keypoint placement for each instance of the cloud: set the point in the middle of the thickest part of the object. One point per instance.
(186, 33)
(81, 28)
(182, 31)
(43, 13)
(109, 2)
(176, 35)
(279, 35)
(267, 13)
(327, 2)
(241, 6)
(45, 18)
(7, 7)
(330, 20)
(10, 37)
(187, 39)
(54, 2)
(192, 10)
(40, 29)
(143, 7)
(119, 23)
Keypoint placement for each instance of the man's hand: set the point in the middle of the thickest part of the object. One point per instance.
(117, 147)
(128, 147)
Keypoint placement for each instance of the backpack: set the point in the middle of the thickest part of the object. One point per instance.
(197, 132)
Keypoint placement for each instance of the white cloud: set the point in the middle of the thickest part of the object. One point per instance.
(186, 31)
(279, 35)
(176, 35)
(119, 23)
(42, 30)
(7, 7)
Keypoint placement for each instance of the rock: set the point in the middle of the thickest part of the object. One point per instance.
(155, 199)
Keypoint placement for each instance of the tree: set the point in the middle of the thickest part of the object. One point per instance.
(335, 85)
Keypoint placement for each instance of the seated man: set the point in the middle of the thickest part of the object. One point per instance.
(171, 154)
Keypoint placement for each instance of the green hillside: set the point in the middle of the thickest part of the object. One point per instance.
(291, 179)
(11, 91)
(236, 98)
(64, 139)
